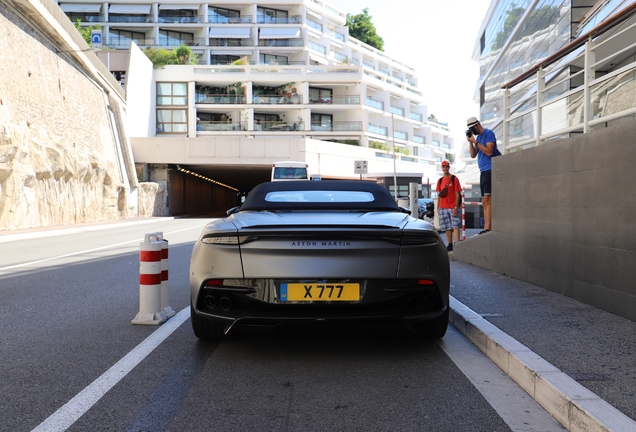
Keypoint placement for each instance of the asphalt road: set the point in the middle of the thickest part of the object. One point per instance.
(70, 359)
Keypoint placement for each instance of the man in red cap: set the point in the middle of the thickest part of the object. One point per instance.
(448, 192)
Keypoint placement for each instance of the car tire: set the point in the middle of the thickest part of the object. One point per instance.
(205, 329)
(432, 329)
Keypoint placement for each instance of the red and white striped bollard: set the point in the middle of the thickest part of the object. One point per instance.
(150, 312)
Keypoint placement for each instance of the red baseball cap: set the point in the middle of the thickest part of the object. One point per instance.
(446, 163)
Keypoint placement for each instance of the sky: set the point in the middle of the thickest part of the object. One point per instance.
(436, 38)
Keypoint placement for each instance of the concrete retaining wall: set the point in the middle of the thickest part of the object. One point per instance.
(564, 218)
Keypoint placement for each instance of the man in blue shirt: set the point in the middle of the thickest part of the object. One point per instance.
(482, 143)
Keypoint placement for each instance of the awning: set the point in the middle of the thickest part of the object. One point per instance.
(81, 8)
(230, 32)
(129, 9)
(178, 7)
(280, 33)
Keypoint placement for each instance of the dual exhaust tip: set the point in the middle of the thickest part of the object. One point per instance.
(224, 303)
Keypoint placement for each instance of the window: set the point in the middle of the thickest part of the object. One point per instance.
(123, 38)
(172, 114)
(222, 59)
(318, 95)
(172, 94)
(272, 59)
(271, 16)
(173, 38)
(222, 16)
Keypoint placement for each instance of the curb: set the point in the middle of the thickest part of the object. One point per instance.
(571, 404)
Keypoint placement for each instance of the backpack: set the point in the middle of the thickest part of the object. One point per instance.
(444, 191)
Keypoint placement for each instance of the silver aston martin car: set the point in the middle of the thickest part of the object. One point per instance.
(319, 251)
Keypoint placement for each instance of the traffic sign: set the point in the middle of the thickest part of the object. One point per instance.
(360, 167)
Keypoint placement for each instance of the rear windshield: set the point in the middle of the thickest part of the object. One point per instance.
(319, 196)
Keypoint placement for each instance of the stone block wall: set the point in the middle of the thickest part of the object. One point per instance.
(58, 158)
(564, 218)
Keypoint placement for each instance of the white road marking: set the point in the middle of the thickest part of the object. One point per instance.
(512, 403)
(68, 414)
(26, 264)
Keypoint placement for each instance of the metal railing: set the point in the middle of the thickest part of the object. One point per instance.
(218, 19)
(219, 126)
(231, 99)
(114, 18)
(296, 99)
(344, 126)
(338, 100)
(166, 41)
(295, 42)
(179, 19)
(265, 19)
(556, 110)
(238, 42)
(374, 103)
(279, 126)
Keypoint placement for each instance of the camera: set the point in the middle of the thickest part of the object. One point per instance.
(469, 133)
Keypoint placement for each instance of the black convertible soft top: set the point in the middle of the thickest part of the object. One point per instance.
(263, 196)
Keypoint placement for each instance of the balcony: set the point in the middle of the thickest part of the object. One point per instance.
(219, 19)
(351, 126)
(419, 139)
(245, 42)
(417, 117)
(124, 42)
(338, 36)
(171, 42)
(278, 126)
(377, 129)
(338, 100)
(230, 99)
(397, 110)
(374, 103)
(296, 99)
(114, 18)
(317, 47)
(216, 126)
(398, 134)
(315, 25)
(281, 42)
(266, 19)
(175, 19)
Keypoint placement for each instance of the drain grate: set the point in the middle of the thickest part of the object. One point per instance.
(589, 377)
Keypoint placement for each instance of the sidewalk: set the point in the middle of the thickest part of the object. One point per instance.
(574, 359)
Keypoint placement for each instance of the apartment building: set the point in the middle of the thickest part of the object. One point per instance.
(272, 71)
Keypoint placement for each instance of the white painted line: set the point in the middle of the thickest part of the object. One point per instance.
(89, 250)
(64, 417)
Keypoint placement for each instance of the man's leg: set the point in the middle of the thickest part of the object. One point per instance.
(456, 230)
(449, 237)
(485, 201)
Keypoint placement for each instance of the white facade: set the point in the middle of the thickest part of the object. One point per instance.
(271, 71)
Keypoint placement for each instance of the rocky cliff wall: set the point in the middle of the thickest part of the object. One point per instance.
(58, 157)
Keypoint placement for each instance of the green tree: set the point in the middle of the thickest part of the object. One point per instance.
(86, 31)
(361, 28)
(181, 55)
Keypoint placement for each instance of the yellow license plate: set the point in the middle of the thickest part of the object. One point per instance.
(308, 292)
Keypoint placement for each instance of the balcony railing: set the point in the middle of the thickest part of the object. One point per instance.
(296, 99)
(397, 110)
(171, 42)
(216, 126)
(123, 42)
(374, 103)
(218, 19)
(179, 19)
(314, 24)
(317, 47)
(232, 42)
(85, 17)
(281, 42)
(277, 126)
(351, 126)
(416, 116)
(265, 19)
(279, 63)
(419, 139)
(338, 36)
(398, 134)
(338, 100)
(377, 129)
(232, 99)
(114, 18)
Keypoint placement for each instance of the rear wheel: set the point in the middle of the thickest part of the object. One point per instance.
(432, 329)
(206, 329)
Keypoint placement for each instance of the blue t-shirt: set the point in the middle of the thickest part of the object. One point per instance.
(483, 160)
